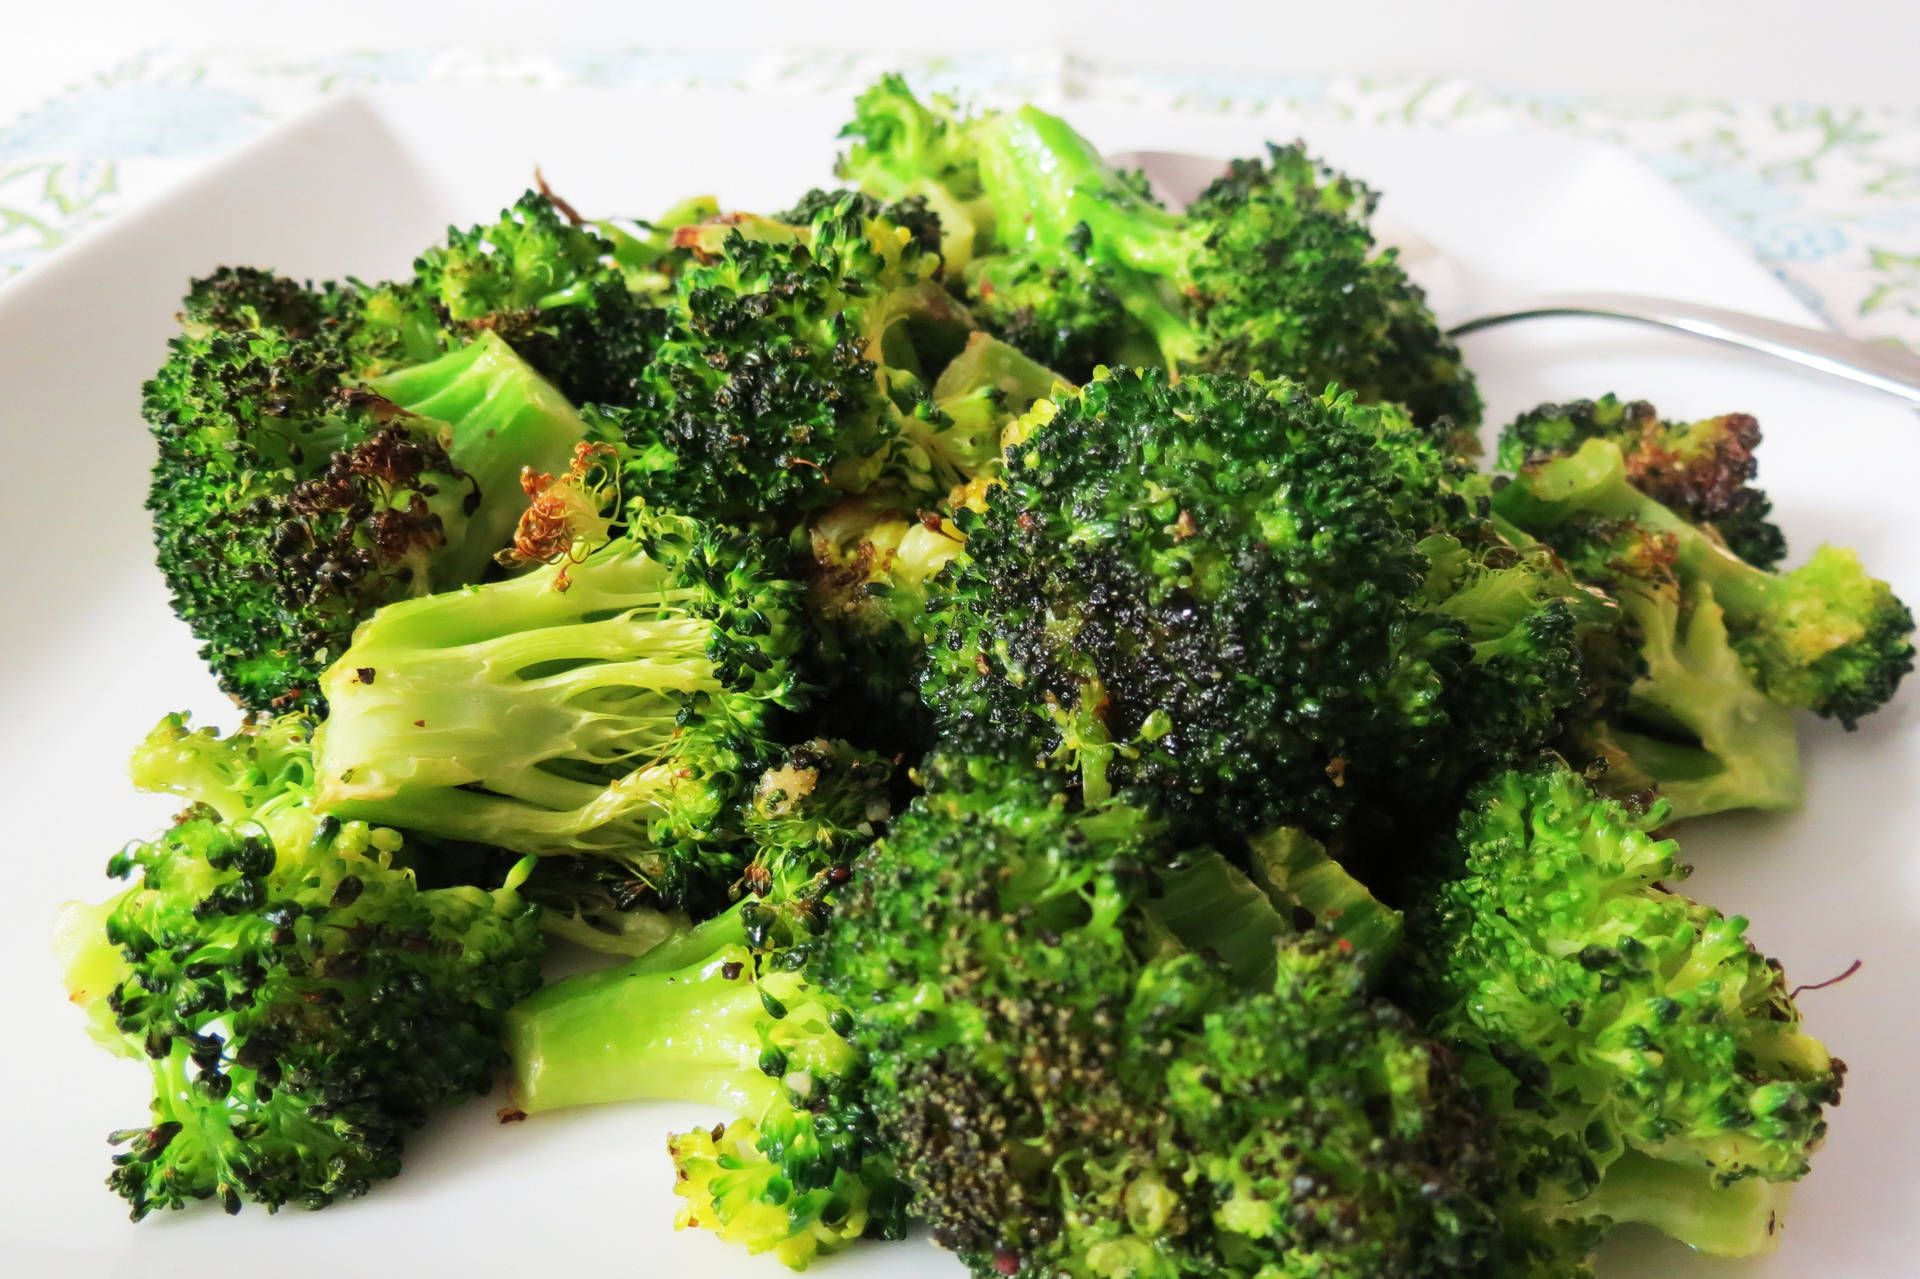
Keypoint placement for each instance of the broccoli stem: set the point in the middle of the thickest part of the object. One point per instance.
(1737, 748)
(505, 417)
(1825, 636)
(1684, 1203)
(1594, 481)
(1045, 179)
(1209, 904)
(647, 1031)
(554, 701)
(1294, 869)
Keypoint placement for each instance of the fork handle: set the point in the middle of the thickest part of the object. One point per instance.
(1884, 368)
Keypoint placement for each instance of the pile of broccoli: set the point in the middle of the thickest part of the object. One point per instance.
(1067, 744)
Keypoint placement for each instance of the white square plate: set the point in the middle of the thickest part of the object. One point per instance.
(92, 655)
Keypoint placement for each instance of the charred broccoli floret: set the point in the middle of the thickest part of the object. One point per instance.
(1648, 1061)
(299, 1001)
(1066, 1090)
(791, 365)
(537, 277)
(1272, 270)
(1825, 636)
(619, 707)
(1215, 596)
(289, 502)
(1703, 470)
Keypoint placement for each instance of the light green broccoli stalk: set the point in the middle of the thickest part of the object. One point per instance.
(619, 707)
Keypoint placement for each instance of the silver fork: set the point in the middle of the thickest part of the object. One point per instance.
(1177, 177)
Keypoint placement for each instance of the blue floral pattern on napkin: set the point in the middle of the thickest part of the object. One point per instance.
(1827, 197)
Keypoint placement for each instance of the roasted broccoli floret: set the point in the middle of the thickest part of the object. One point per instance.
(289, 502)
(1060, 305)
(1272, 270)
(537, 277)
(870, 564)
(618, 707)
(1703, 470)
(730, 1015)
(920, 222)
(1675, 711)
(791, 363)
(1645, 1059)
(299, 1001)
(902, 149)
(812, 813)
(1067, 1090)
(1825, 636)
(1214, 596)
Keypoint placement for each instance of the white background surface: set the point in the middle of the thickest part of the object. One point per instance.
(1845, 51)
(88, 669)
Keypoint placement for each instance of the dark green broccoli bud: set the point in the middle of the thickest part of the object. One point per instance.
(790, 366)
(1272, 270)
(619, 707)
(239, 299)
(1825, 636)
(1212, 596)
(287, 505)
(1634, 1042)
(713, 1017)
(812, 812)
(1059, 306)
(299, 1001)
(1702, 470)
(1067, 1093)
(1529, 622)
(546, 283)
(902, 149)
(912, 214)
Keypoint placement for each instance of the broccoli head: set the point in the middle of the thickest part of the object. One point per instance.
(791, 362)
(1702, 470)
(1066, 1090)
(1213, 596)
(904, 149)
(1649, 1061)
(1825, 636)
(300, 1002)
(538, 278)
(1272, 270)
(619, 707)
(288, 502)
